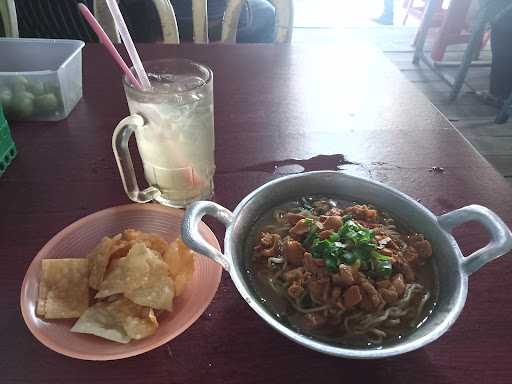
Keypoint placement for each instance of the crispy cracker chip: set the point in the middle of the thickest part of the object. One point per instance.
(138, 321)
(180, 283)
(121, 321)
(142, 276)
(99, 258)
(120, 249)
(63, 289)
(99, 321)
(132, 234)
(157, 293)
(180, 260)
(111, 266)
(130, 272)
(152, 241)
(110, 249)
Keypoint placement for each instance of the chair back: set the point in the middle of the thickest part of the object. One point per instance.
(50, 19)
(283, 21)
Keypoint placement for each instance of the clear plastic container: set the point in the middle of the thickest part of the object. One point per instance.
(40, 79)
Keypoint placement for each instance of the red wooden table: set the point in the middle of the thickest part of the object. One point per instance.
(272, 103)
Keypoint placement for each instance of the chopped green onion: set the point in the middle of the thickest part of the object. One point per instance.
(346, 217)
(350, 258)
(334, 237)
(312, 234)
(331, 264)
(351, 245)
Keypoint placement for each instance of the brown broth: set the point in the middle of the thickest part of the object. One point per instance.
(258, 274)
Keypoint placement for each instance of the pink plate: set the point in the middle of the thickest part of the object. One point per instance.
(77, 240)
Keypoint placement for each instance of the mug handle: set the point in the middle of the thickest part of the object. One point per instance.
(120, 139)
(190, 229)
(501, 237)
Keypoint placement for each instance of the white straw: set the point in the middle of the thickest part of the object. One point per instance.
(128, 43)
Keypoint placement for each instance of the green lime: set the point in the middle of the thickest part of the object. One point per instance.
(46, 103)
(52, 87)
(22, 105)
(36, 87)
(19, 84)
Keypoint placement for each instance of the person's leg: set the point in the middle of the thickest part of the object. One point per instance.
(256, 22)
(388, 8)
(387, 15)
(501, 69)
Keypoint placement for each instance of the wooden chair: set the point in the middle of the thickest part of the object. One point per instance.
(283, 22)
(417, 10)
(454, 28)
(46, 19)
(453, 23)
(489, 11)
(8, 16)
(169, 25)
(166, 15)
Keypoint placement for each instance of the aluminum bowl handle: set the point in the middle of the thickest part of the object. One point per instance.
(190, 229)
(501, 237)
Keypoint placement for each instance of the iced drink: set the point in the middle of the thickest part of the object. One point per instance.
(176, 140)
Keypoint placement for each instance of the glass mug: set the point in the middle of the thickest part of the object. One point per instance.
(173, 126)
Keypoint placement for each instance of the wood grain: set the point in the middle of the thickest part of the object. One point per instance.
(271, 103)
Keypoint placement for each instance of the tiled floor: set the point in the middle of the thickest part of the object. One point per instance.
(473, 119)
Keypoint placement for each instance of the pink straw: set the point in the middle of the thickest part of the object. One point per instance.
(104, 39)
(192, 177)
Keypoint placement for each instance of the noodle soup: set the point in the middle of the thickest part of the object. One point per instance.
(341, 272)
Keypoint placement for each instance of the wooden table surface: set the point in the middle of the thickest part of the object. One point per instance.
(272, 104)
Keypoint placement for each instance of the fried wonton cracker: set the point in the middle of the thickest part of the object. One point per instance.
(63, 288)
(180, 260)
(99, 258)
(128, 273)
(98, 320)
(120, 320)
(142, 276)
(152, 241)
(157, 292)
(120, 249)
(138, 321)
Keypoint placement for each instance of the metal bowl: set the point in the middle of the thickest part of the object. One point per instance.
(452, 268)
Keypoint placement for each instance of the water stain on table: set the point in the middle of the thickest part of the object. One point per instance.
(334, 162)
(291, 166)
